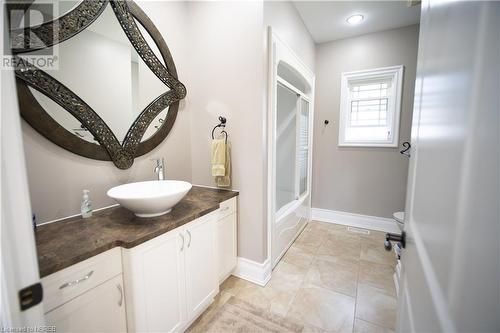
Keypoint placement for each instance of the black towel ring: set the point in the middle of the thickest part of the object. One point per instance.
(221, 124)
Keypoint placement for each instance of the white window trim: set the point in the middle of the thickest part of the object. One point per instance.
(396, 75)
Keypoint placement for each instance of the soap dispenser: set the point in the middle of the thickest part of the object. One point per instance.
(86, 205)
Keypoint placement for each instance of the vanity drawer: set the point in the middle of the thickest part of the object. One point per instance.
(227, 207)
(62, 286)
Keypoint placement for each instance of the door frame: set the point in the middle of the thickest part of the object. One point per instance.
(19, 269)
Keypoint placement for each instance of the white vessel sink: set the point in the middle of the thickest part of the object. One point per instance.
(151, 198)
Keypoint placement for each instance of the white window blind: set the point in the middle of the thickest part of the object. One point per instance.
(369, 104)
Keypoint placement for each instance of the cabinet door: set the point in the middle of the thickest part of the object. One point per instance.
(226, 246)
(155, 284)
(201, 265)
(101, 309)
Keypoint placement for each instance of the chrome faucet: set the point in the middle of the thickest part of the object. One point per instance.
(160, 168)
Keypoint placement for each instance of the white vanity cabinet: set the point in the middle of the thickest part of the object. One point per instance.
(88, 296)
(227, 238)
(101, 309)
(172, 278)
(161, 285)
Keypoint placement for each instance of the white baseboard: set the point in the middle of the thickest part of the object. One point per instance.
(356, 220)
(258, 273)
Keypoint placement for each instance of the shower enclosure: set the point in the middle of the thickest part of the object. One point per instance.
(290, 146)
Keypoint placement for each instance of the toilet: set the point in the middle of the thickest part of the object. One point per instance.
(399, 217)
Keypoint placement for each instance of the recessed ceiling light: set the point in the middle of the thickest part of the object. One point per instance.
(355, 19)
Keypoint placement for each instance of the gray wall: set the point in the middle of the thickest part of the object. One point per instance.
(369, 181)
(283, 17)
(227, 78)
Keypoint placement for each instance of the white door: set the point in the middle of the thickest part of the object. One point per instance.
(164, 283)
(451, 266)
(154, 284)
(18, 260)
(201, 265)
(101, 309)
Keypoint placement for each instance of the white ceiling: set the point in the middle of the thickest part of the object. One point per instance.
(326, 20)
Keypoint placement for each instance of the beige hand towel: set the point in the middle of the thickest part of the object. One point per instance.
(225, 181)
(218, 157)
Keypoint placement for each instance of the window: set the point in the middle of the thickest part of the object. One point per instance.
(370, 103)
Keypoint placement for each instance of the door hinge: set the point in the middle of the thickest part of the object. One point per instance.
(30, 296)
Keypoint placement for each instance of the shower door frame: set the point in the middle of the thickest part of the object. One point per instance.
(279, 51)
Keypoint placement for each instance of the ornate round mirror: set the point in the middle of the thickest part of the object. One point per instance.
(114, 93)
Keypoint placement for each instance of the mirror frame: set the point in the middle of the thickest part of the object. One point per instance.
(109, 148)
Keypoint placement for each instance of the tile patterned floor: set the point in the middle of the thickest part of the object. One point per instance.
(330, 280)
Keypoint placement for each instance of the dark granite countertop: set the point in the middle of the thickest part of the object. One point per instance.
(65, 243)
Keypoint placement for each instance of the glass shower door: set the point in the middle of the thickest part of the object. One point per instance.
(286, 145)
(291, 94)
(303, 151)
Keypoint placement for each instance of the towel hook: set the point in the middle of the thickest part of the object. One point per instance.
(222, 124)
